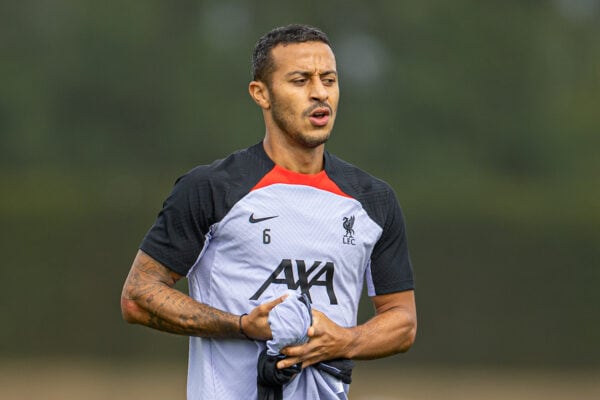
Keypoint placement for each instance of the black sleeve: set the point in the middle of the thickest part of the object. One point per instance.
(391, 268)
(177, 236)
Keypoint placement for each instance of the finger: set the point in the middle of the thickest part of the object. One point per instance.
(293, 351)
(309, 362)
(271, 304)
(288, 362)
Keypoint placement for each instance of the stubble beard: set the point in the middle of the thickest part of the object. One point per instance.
(281, 117)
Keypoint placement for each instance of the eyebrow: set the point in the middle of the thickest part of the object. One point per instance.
(308, 73)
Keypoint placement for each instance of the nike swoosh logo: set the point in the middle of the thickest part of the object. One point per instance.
(253, 220)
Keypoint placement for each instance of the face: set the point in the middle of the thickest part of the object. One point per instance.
(303, 92)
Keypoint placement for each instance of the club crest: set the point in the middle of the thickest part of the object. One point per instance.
(348, 225)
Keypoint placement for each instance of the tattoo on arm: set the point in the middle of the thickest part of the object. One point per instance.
(150, 286)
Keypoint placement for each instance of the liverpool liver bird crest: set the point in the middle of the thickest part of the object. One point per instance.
(348, 224)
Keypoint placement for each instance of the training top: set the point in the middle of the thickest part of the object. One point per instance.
(242, 229)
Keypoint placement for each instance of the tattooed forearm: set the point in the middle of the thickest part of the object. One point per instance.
(149, 298)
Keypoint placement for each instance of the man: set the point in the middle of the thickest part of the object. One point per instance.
(281, 214)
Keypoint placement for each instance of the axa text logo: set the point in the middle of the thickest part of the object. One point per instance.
(319, 274)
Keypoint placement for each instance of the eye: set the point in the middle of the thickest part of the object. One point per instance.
(328, 81)
(299, 81)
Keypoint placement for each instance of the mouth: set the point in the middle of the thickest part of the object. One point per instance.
(319, 116)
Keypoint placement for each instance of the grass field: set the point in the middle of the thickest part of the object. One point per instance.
(86, 379)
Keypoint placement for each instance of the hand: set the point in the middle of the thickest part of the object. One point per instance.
(256, 324)
(327, 341)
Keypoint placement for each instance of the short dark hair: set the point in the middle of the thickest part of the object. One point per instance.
(262, 61)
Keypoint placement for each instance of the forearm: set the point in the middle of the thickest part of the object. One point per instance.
(169, 310)
(150, 299)
(390, 332)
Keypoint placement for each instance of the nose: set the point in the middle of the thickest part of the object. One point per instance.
(318, 91)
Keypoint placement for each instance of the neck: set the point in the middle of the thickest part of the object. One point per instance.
(293, 156)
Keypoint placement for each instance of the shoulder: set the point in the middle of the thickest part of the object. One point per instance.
(216, 187)
(376, 196)
(357, 182)
(244, 163)
(233, 175)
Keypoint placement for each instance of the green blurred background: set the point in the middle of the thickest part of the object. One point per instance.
(483, 116)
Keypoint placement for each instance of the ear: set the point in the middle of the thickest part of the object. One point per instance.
(260, 94)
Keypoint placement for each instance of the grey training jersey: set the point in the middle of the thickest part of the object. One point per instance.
(243, 229)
